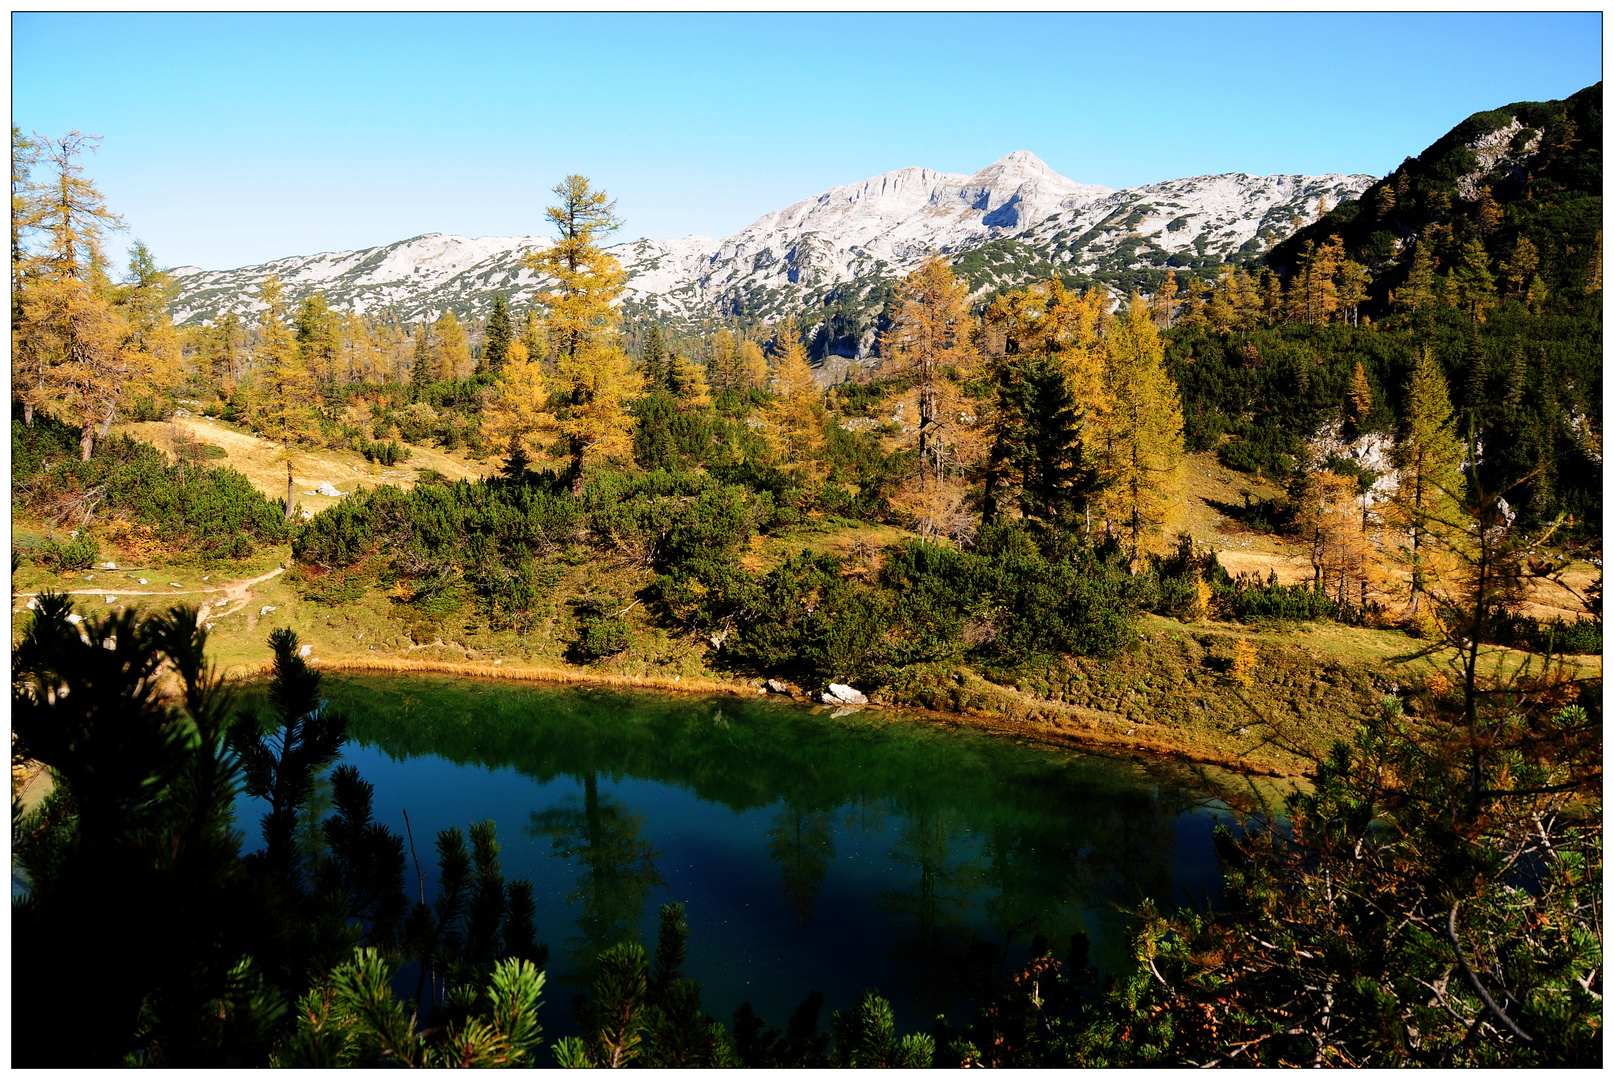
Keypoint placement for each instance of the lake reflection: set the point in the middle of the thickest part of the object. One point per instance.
(811, 852)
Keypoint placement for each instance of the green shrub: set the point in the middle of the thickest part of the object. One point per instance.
(210, 510)
(1583, 636)
(494, 531)
(79, 553)
(600, 636)
(1249, 599)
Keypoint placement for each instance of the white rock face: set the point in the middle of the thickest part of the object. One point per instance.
(882, 227)
(841, 694)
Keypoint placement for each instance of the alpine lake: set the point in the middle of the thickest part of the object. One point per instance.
(813, 848)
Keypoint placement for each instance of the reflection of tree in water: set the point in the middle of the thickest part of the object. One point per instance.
(865, 814)
(933, 944)
(802, 843)
(618, 870)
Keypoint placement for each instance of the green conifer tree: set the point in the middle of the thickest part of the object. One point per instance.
(655, 362)
(500, 333)
(420, 372)
(1471, 285)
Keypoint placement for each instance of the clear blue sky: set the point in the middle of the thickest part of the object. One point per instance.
(233, 139)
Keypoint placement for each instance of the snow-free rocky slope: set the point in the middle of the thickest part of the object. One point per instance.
(1014, 221)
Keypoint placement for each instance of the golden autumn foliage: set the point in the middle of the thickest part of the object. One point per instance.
(795, 423)
(1139, 446)
(590, 378)
(930, 341)
(83, 348)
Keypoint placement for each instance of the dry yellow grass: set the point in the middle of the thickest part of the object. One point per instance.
(260, 461)
(514, 673)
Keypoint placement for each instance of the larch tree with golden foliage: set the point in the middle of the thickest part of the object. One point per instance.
(451, 353)
(151, 343)
(795, 431)
(75, 352)
(1428, 459)
(930, 342)
(754, 365)
(282, 402)
(591, 380)
(1141, 444)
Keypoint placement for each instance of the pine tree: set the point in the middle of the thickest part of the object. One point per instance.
(593, 378)
(929, 341)
(1142, 446)
(500, 333)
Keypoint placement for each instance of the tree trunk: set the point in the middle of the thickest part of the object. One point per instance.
(576, 471)
(28, 413)
(288, 490)
(106, 424)
(86, 441)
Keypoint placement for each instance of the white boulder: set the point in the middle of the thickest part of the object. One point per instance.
(841, 694)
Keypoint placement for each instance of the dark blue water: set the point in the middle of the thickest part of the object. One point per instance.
(810, 852)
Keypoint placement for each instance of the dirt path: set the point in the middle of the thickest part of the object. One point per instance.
(237, 594)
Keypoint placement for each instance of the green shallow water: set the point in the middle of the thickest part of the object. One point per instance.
(811, 851)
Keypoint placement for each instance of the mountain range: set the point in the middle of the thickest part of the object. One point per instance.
(1012, 222)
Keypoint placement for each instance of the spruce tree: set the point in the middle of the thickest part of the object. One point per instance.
(420, 371)
(1036, 442)
(655, 362)
(498, 336)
